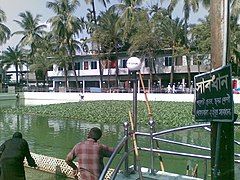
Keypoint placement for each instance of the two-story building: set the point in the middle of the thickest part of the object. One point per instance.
(88, 73)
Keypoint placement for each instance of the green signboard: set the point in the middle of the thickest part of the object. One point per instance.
(214, 96)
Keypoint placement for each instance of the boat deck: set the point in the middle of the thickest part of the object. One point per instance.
(160, 175)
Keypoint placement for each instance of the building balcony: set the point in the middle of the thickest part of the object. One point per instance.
(124, 71)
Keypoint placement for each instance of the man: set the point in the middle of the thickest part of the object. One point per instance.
(90, 154)
(12, 154)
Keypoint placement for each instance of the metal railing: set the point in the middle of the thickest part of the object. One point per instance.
(154, 137)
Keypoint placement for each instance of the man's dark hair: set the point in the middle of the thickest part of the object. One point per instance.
(17, 135)
(95, 133)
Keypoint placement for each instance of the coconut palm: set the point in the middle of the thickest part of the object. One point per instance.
(127, 8)
(42, 61)
(234, 33)
(32, 30)
(92, 21)
(188, 5)
(234, 6)
(201, 39)
(92, 2)
(14, 56)
(172, 34)
(66, 27)
(107, 34)
(146, 39)
(4, 30)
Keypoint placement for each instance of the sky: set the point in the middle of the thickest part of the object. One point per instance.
(12, 8)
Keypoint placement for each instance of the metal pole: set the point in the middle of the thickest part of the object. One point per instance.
(126, 171)
(135, 110)
(217, 153)
(135, 100)
(151, 123)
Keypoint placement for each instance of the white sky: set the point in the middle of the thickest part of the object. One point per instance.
(12, 8)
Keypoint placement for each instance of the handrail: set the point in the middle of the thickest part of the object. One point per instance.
(153, 150)
(124, 157)
(116, 151)
(175, 153)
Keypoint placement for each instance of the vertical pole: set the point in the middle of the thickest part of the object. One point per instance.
(135, 111)
(217, 152)
(135, 100)
(83, 89)
(151, 123)
(126, 126)
(219, 57)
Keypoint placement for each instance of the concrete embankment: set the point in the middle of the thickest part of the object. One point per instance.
(75, 97)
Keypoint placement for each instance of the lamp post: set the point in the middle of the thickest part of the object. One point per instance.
(134, 65)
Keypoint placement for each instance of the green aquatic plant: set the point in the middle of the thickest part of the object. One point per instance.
(165, 114)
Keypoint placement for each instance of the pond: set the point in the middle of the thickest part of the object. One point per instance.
(55, 137)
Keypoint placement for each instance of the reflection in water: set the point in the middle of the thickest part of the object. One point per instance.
(56, 136)
(52, 136)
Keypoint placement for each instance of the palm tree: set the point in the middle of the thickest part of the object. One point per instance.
(32, 31)
(107, 34)
(42, 61)
(92, 21)
(14, 56)
(234, 5)
(172, 34)
(66, 26)
(92, 2)
(146, 39)
(127, 8)
(234, 33)
(4, 30)
(188, 5)
(201, 39)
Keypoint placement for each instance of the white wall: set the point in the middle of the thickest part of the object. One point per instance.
(75, 97)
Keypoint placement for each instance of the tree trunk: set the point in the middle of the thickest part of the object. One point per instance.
(219, 57)
(75, 75)
(151, 73)
(16, 67)
(189, 71)
(117, 68)
(65, 78)
(100, 70)
(172, 66)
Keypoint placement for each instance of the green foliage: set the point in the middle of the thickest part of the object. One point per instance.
(166, 114)
(201, 36)
(5, 32)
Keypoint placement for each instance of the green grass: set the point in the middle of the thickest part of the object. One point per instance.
(167, 114)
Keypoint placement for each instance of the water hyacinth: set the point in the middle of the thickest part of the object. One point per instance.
(166, 114)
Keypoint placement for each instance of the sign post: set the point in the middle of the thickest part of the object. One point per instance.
(214, 103)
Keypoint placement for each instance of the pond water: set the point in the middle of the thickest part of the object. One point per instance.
(55, 137)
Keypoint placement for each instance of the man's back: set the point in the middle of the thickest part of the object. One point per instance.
(13, 152)
(14, 148)
(90, 157)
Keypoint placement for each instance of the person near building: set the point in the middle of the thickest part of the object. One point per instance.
(12, 155)
(90, 154)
